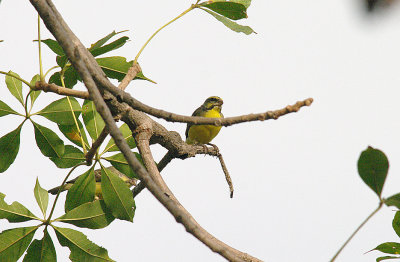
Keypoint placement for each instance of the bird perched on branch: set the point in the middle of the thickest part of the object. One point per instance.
(203, 134)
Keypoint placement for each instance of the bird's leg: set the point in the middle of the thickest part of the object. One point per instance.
(215, 148)
(205, 149)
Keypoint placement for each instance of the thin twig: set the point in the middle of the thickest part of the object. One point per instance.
(168, 116)
(96, 144)
(227, 176)
(60, 90)
(355, 232)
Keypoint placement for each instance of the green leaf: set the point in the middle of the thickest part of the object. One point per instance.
(92, 119)
(14, 242)
(48, 142)
(61, 60)
(54, 46)
(71, 132)
(82, 191)
(15, 212)
(386, 258)
(373, 167)
(104, 40)
(393, 200)
(71, 77)
(119, 162)
(245, 3)
(60, 111)
(42, 197)
(92, 215)
(389, 248)
(9, 147)
(117, 195)
(127, 133)
(231, 10)
(15, 86)
(6, 110)
(116, 67)
(34, 94)
(72, 156)
(111, 46)
(81, 248)
(41, 250)
(396, 225)
(230, 24)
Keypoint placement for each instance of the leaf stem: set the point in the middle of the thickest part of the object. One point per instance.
(356, 231)
(60, 189)
(48, 71)
(40, 51)
(158, 30)
(26, 104)
(72, 112)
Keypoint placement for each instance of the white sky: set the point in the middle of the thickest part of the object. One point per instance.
(297, 192)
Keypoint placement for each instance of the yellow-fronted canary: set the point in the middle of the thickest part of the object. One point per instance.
(203, 134)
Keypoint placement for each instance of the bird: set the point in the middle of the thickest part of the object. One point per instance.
(203, 134)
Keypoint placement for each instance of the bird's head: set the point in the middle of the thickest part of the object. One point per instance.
(213, 102)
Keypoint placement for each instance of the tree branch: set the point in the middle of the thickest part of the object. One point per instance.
(96, 144)
(60, 90)
(87, 68)
(171, 117)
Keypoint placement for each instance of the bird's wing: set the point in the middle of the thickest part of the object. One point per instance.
(197, 112)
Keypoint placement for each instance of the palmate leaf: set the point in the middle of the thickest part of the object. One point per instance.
(54, 46)
(9, 147)
(104, 40)
(396, 226)
(110, 47)
(14, 242)
(386, 258)
(127, 133)
(71, 132)
(389, 248)
(71, 77)
(15, 86)
(48, 142)
(41, 250)
(15, 212)
(116, 67)
(60, 111)
(42, 197)
(6, 110)
(231, 24)
(117, 195)
(81, 248)
(373, 167)
(34, 94)
(92, 119)
(229, 9)
(393, 200)
(71, 157)
(119, 162)
(82, 191)
(93, 215)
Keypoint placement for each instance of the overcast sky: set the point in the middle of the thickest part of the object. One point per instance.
(297, 192)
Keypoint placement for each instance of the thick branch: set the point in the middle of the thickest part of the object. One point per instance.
(86, 66)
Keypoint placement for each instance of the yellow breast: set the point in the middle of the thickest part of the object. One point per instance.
(203, 134)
